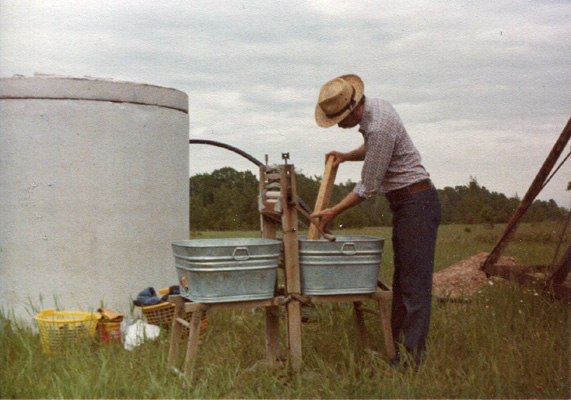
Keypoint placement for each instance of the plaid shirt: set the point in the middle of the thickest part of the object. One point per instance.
(391, 160)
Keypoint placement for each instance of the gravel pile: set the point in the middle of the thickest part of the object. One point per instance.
(465, 278)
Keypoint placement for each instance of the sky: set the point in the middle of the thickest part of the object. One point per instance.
(483, 87)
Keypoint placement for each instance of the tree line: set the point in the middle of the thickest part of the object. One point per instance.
(227, 199)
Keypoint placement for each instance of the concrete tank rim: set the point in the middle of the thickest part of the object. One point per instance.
(91, 89)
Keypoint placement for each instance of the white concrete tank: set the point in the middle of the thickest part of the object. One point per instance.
(93, 189)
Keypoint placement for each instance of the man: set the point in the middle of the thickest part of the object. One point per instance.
(392, 166)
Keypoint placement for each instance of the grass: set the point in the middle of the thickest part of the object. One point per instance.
(508, 342)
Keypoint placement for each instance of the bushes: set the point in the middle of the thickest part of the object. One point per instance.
(228, 200)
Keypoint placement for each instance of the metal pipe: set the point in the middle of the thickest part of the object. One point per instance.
(245, 155)
(228, 147)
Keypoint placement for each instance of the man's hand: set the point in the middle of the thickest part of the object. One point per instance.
(324, 217)
(356, 155)
(338, 158)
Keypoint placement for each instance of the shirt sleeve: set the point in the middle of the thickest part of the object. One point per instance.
(379, 148)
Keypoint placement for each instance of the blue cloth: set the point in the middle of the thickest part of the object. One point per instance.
(415, 225)
(147, 297)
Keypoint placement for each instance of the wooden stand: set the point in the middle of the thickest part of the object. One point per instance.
(268, 223)
(198, 310)
(278, 204)
(380, 297)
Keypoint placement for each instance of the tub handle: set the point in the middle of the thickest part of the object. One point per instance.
(349, 249)
(241, 254)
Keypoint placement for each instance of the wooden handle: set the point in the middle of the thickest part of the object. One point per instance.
(324, 195)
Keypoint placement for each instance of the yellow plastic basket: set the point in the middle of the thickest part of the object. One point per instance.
(60, 330)
(162, 314)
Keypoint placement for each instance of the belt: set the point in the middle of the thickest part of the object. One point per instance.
(418, 187)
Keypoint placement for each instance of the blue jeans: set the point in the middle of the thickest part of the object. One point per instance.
(415, 225)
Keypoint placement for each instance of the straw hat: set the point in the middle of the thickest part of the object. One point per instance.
(337, 99)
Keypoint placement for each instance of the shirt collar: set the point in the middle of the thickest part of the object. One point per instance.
(367, 118)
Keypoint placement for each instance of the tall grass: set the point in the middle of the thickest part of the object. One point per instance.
(507, 342)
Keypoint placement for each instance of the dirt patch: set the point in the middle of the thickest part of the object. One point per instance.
(465, 278)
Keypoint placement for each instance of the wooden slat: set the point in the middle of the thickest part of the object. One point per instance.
(232, 305)
(193, 337)
(369, 311)
(324, 195)
(386, 327)
(339, 298)
(272, 319)
(176, 329)
(272, 215)
(360, 323)
(183, 322)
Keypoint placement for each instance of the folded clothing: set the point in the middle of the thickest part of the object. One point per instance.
(108, 315)
(147, 297)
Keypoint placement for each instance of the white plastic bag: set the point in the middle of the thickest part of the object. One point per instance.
(140, 331)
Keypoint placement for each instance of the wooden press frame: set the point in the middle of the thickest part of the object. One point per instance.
(273, 212)
(293, 296)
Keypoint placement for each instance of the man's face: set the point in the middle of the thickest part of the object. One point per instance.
(352, 119)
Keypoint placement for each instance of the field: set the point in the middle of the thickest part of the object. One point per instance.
(505, 342)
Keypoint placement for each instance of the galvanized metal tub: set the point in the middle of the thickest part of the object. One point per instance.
(222, 270)
(349, 265)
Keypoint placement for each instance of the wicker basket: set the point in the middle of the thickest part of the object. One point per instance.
(162, 315)
(61, 330)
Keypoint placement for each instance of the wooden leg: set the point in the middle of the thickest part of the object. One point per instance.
(194, 336)
(360, 322)
(272, 333)
(386, 326)
(291, 262)
(293, 309)
(176, 329)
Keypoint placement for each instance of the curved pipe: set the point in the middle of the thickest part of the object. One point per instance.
(228, 147)
(245, 155)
